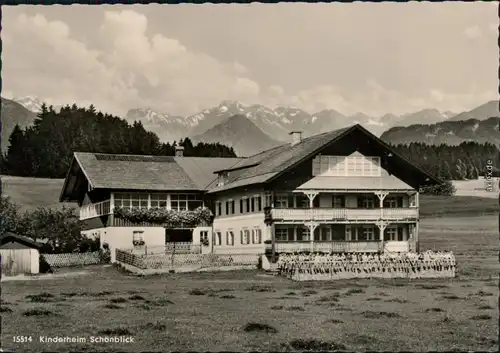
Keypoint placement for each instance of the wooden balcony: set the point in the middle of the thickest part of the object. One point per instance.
(330, 246)
(95, 210)
(343, 215)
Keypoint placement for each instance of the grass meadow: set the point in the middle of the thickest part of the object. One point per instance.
(254, 311)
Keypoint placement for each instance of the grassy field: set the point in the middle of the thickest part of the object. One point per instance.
(30, 193)
(249, 310)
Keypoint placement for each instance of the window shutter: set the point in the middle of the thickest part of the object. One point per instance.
(241, 205)
(259, 203)
(376, 233)
(290, 235)
(241, 236)
(400, 234)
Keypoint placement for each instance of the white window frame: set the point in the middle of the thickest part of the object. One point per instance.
(245, 236)
(325, 233)
(368, 202)
(137, 235)
(392, 233)
(337, 201)
(391, 202)
(218, 208)
(256, 235)
(204, 235)
(230, 238)
(156, 200)
(218, 237)
(348, 233)
(369, 233)
(281, 234)
(281, 200)
(306, 234)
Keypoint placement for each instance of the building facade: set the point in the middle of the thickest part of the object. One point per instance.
(341, 191)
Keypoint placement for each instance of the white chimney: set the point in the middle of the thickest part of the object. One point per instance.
(296, 137)
(179, 151)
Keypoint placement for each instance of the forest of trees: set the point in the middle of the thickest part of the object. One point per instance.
(465, 161)
(45, 149)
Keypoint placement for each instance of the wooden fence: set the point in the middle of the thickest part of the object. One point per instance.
(19, 261)
(331, 267)
(73, 259)
(173, 261)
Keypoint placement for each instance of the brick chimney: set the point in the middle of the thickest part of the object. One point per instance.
(179, 151)
(296, 137)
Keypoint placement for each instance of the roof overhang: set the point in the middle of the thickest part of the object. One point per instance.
(74, 177)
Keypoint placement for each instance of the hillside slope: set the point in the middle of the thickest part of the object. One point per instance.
(13, 113)
(241, 134)
(447, 132)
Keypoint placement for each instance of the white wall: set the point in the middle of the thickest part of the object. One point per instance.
(237, 224)
(35, 261)
(121, 237)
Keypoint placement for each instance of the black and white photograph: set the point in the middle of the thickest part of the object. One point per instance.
(282, 177)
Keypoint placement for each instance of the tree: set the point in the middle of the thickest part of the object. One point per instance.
(446, 171)
(9, 216)
(61, 228)
(461, 169)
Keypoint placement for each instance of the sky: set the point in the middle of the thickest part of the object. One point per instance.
(375, 58)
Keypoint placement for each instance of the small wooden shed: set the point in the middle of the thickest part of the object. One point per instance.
(19, 255)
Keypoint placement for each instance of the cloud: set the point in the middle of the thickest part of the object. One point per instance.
(473, 32)
(135, 69)
(130, 65)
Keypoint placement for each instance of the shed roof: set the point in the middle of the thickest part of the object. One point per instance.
(9, 236)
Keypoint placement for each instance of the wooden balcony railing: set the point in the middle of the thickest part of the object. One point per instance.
(343, 214)
(95, 210)
(330, 246)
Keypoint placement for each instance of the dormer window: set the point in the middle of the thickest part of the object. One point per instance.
(223, 176)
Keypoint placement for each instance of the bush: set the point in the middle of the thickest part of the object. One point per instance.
(445, 189)
(44, 265)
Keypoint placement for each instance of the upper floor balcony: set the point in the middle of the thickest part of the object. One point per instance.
(95, 210)
(343, 214)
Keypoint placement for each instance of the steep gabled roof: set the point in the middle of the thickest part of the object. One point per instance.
(268, 165)
(137, 172)
(8, 237)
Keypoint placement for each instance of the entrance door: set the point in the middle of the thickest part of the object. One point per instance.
(178, 235)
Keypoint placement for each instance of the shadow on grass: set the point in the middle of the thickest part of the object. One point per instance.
(43, 298)
(258, 327)
(485, 307)
(112, 306)
(119, 331)
(197, 292)
(431, 286)
(118, 300)
(397, 300)
(227, 296)
(434, 310)
(379, 314)
(481, 317)
(157, 326)
(136, 297)
(256, 288)
(38, 312)
(4, 309)
(313, 345)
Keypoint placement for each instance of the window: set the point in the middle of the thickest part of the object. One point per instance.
(268, 199)
(281, 234)
(230, 238)
(132, 200)
(338, 201)
(368, 233)
(245, 237)
(204, 237)
(218, 238)
(258, 200)
(256, 235)
(227, 208)
(138, 238)
(183, 202)
(218, 208)
(346, 166)
(349, 236)
(281, 201)
(247, 201)
(325, 234)
(366, 202)
(413, 200)
(159, 200)
(303, 234)
(390, 202)
(302, 201)
(391, 233)
(241, 205)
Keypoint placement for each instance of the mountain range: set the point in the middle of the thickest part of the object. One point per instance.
(258, 125)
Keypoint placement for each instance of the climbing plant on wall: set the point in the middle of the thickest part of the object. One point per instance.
(164, 217)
